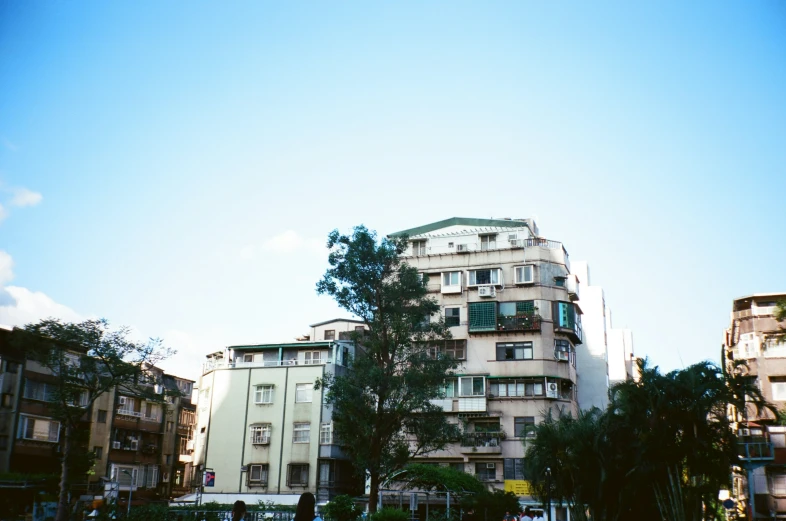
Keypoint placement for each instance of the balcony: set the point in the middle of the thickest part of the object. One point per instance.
(525, 322)
(482, 442)
(463, 404)
(755, 450)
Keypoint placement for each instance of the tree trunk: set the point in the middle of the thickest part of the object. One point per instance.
(373, 494)
(62, 502)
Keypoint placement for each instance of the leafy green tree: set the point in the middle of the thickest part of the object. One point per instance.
(382, 406)
(88, 359)
(665, 442)
(342, 508)
(491, 506)
(437, 478)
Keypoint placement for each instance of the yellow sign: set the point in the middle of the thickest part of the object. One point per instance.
(519, 487)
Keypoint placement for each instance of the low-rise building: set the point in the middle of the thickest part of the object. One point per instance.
(261, 425)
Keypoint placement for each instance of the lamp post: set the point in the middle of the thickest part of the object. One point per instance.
(130, 490)
(548, 493)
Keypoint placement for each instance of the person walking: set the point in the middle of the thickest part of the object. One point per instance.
(305, 508)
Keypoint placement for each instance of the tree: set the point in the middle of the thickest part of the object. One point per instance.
(88, 359)
(382, 406)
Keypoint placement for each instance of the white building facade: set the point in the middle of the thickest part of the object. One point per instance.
(261, 425)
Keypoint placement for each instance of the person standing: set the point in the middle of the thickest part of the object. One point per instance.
(238, 510)
(509, 517)
(305, 508)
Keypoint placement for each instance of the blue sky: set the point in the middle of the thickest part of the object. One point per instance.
(177, 166)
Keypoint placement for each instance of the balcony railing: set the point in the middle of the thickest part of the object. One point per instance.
(751, 451)
(483, 442)
(139, 415)
(518, 323)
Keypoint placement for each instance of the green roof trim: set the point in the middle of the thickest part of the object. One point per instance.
(523, 377)
(299, 345)
(460, 221)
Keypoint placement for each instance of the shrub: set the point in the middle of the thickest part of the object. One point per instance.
(342, 508)
(390, 514)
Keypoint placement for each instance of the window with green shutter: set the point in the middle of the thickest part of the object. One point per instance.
(525, 306)
(482, 316)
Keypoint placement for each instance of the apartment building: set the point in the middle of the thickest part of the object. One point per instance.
(756, 336)
(511, 301)
(262, 427)
(134, 432)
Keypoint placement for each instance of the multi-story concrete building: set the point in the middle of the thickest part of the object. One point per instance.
(510, 299)
(134, 432)
(756, 336)
(622, 361)
(262, 427)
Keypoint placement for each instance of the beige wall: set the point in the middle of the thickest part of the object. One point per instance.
(233, 412)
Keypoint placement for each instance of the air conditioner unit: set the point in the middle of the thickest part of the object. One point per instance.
(745, 432)
(165, 478)
(487, 291)
(121, 400)
(115, 444)
(513, 236)
(491, 465)
(134, 444)
(462, 248)
(158, 388)
(562, 356)
(552, 390)
(516, 243)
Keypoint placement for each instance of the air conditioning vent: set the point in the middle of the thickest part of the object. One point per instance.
(121, 400)
(487, 291)
(513, 236)
(462, 248)
(491, 465)
(134, 445)
(516, 243)
(552, 390)
(562, 356)
(115, 444)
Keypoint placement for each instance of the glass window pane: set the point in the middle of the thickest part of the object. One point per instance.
(507, 309)
(520, 389)
(477, 386)
(466, 387)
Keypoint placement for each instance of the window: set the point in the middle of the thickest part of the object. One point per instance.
(453, 348)
(486, 471)
(778, 391)
(327, 473)
(451, 282)
(514, 468)
(459, 466)
(6, 400)
(330, 334)
(312, 357)
(247, 359)
(523, 426)
(326, 434)
(419, 248)
(39, 391)
(559, 282)
(471, 386)
(39, 429)
(516, 388)
(260, 434)
(514, 351)
(126, 404)
(101, 416)
(482, 316)
(297, 475)
(263, 394)
(488, 242)
(257, 474)
(563, 351)
(301, 433)
(452, 316)
(524, 274)
(480, 277)
(99, 452)
(360, 329)
(151, 476)
(303, 393)
(778, 484)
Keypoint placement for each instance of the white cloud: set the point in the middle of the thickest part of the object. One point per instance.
(191, 352)
(32, 306)
(20, 306)
(290, 242)
(25, 197)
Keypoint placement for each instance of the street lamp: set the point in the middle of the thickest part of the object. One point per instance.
(130, 490)
(548, 493)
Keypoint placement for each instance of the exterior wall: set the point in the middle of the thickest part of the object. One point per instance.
(622, 362)
(592, 355)
(550, 262)
(101, 432)
(12, 367)
(227, 411)
(317, 331)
